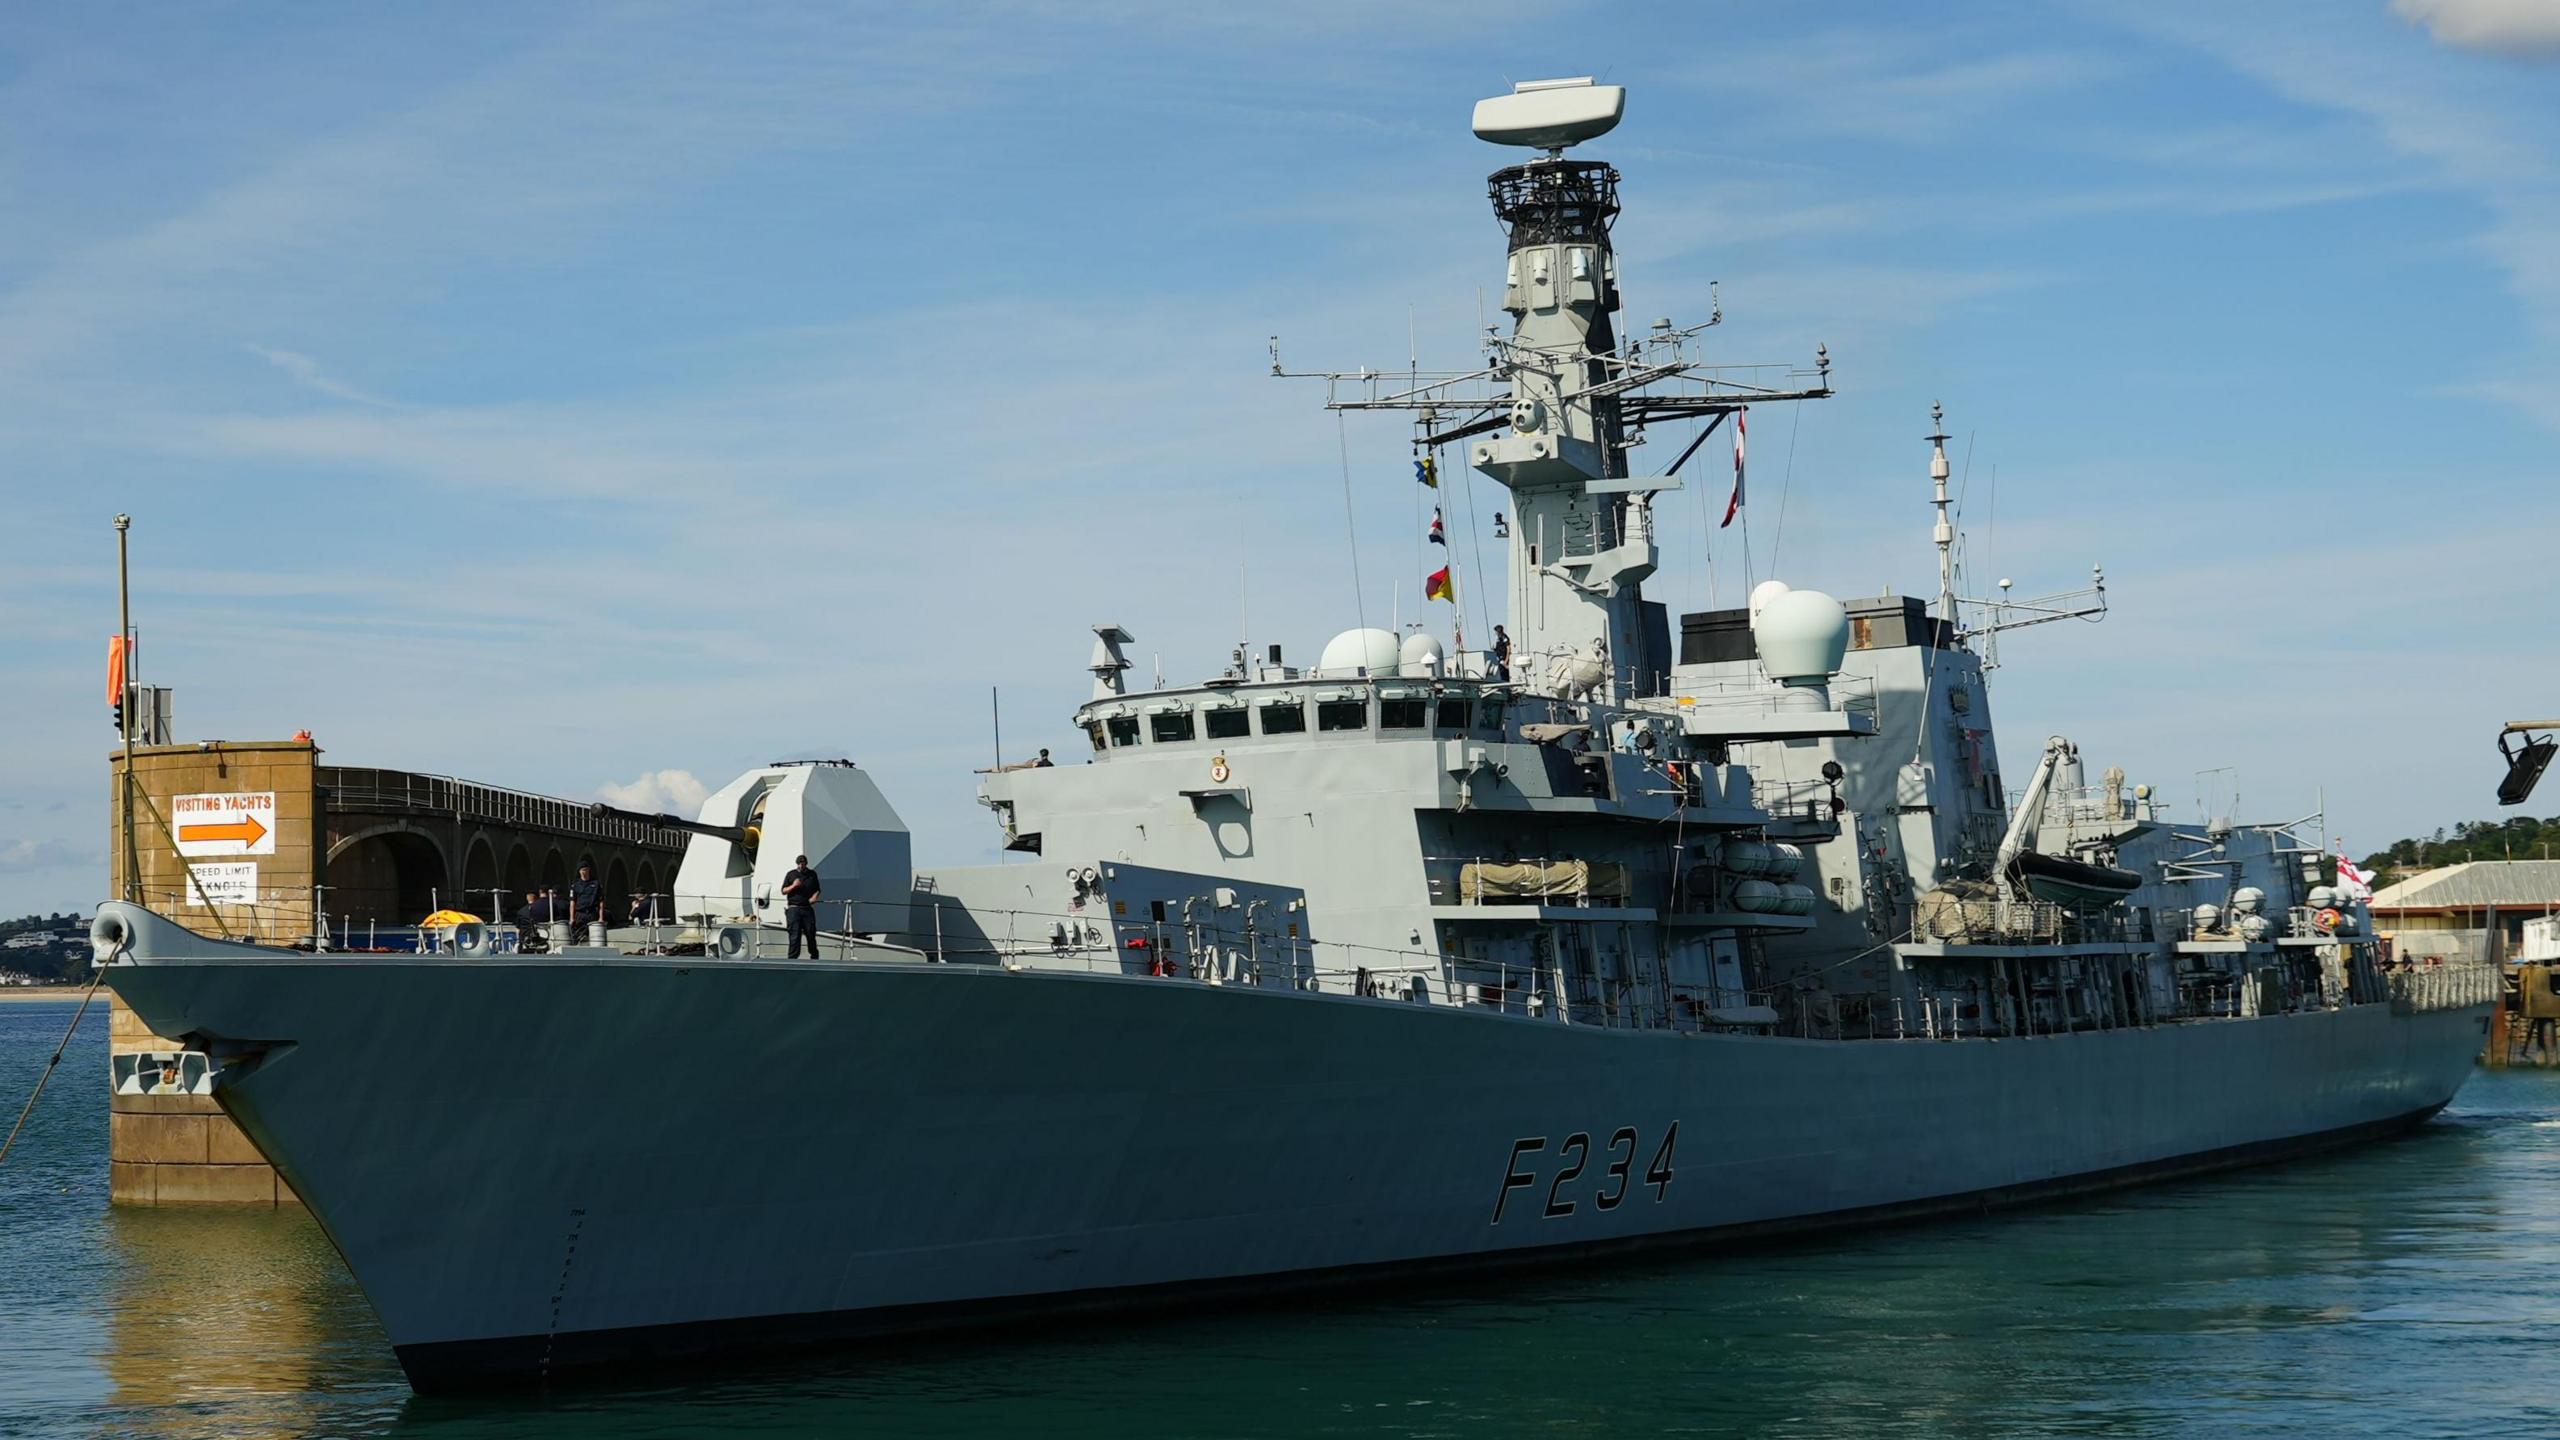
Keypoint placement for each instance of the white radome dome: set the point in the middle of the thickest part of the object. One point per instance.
(1764, 592)
(1421, 655)
(1802, 635)
(1353, 651)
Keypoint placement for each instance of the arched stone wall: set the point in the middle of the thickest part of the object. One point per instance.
(480, 876)
(390, 874)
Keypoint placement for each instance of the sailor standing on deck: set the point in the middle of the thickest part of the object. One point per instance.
(800, 905)
(586, 903)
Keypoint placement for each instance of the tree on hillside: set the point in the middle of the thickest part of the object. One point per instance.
(2519, 837)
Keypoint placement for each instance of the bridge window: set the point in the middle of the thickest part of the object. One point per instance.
(1284, 717)
(1170, 725)
(1124, 730)
(1454, 714)
(1094, 729)
(1489, 713)
(1403, 714)
(1226, 722)
(1342, 715)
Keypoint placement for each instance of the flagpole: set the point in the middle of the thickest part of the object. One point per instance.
(132, 887)
(1457, 613)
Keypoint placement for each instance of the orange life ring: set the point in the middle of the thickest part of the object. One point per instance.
(2326, 919)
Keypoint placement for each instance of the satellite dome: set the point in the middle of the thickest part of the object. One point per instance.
(1802, 635)
(1764, 592)
(1353, 651)
(1421, 655)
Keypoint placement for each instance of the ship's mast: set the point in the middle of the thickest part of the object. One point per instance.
(1992, 616)
(1946, 531)
(1559, 402)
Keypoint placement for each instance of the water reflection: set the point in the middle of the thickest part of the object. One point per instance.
(232, 1323)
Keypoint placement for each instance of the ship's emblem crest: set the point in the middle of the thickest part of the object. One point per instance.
(1218, 771)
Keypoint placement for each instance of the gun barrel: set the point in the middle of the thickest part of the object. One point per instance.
(734, 834)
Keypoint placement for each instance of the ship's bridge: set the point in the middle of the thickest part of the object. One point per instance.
(1386, 707)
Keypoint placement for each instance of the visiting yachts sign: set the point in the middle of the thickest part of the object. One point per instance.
(219, 825)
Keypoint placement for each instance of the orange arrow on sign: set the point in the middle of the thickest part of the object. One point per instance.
(246, 830)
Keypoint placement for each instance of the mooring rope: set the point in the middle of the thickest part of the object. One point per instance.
(38, 1093)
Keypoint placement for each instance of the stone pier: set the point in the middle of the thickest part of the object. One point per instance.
(287, 849)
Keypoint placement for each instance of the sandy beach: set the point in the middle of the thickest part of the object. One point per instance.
(32, 993)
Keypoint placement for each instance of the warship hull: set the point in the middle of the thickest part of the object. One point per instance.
(537, 1165)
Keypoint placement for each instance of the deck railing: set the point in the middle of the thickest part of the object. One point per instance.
(406, 792)
(2456, 986)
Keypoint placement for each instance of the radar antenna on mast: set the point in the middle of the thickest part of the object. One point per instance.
(1992, 616)
(1562, 401)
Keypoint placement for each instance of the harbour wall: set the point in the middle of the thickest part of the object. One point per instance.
(283, 848)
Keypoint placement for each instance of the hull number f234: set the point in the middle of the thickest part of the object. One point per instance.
(1566, 1171)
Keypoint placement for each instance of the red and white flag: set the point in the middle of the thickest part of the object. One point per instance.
(1733, 506)
(2357, 883)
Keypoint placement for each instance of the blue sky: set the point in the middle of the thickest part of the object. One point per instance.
(562, 395)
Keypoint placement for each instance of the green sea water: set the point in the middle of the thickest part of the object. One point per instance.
(2404, 1289)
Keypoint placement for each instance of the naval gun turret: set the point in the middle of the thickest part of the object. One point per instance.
(751, 829)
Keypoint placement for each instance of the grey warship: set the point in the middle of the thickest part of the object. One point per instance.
(1403, 962)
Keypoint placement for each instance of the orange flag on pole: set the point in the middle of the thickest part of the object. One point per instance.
(1438, 586)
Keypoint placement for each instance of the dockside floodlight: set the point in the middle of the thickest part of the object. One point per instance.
(2527, 756)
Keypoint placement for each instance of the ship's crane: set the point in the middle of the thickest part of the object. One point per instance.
(2030, 814)
(2026, 873)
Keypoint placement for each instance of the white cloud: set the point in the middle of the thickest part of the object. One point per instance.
(308, 372)
(2476, 135)
(23, 855)
(674, 792)
(2495, 27)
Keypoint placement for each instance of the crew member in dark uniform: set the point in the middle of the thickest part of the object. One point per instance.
(800, 905)
(1501, 653)
(586, 903)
